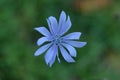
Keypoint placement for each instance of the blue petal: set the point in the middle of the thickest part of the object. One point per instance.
(42, 40)
(66, 26)
(54, 56)
(65, 55)
(49, 55)
(74, 35)
(71, 49)
(62, 18)
(42, 49)
(76, 43)
(43, 31)
(58, 58)
(53, 25)
(49, 25)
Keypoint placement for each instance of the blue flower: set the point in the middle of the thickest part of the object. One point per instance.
(55, 40)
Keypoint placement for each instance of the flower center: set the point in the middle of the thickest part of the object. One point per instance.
(57, 40)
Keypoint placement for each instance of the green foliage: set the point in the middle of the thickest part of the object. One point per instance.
(100, 29)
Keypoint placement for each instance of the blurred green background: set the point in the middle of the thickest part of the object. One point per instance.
(98, 20)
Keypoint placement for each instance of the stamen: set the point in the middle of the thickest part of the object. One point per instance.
(57, 40)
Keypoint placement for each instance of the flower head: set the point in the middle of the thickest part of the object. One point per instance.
(55, 40)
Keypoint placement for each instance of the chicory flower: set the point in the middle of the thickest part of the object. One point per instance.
(53, 40)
